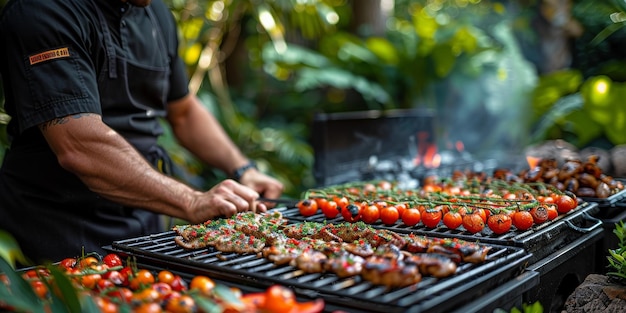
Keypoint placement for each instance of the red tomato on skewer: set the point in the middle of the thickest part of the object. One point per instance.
(411, 217)
(522, 220)
(499, 223)
(307, 207)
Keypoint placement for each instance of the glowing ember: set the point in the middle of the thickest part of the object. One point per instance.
(532, 161)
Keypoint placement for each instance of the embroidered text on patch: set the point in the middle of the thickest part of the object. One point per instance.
(49, 55)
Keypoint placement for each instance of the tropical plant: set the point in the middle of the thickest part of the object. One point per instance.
(460, 59)
(617, 257)
(583, 104)
(212, 34)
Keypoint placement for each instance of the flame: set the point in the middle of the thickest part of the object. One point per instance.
(431, 158)
(426, 152)
(436, 160)
(459, 146)
(532, 161)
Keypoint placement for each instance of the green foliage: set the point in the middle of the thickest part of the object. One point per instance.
(10, 250)
(584, 103)
(22, 298)
(617, 257)
(535, 307)
(461, 60)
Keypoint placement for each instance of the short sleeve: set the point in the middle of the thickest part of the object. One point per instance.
(48, 71)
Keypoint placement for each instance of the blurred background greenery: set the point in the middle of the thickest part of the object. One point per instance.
(529, 70)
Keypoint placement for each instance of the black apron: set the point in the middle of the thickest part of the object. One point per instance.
(60, 215)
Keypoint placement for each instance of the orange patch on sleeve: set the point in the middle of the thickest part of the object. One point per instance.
(49, 55)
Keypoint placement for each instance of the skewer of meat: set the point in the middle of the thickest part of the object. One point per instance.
(202, 235)
(360, 231)
(387, 268)
(311, 230)
(344, 264)
(285, 252)
(432, 264)
(468, 251)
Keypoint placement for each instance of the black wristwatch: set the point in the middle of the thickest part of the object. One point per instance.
(241, 170)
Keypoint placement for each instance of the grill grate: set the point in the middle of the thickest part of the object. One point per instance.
(355, 294)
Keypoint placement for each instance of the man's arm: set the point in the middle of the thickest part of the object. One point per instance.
(111, 167)
(199, 132)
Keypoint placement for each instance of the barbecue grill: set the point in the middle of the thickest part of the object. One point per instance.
(353, 294)
(562, 251)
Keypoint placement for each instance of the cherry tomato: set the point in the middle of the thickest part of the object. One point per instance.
(431, 217)
(473, 223)
(385, 185)
(380, 204)
(430, 188)
(88, 261)
(151, 307)
(278, 299)
(351, 213)
(545, 199)
(165, 276)
(389, 215)
(89, 281)
(146, 295)
(307, 207)
(122, 294)
(40, 288)
(552, 211)
(539, 213)
(104, 284)
(182, 304)
(106, 305)
(411, 217)
(30, 274)
(523, 220)
(164, 289)
(126, 273)
(565, 204)
(178, 284)
(142, 278)
(330, 209)
(510, 196)
(115, 277)
(499, 223)
(370, 214)
(342, 202)
(452, 219)
(484, 214)
(321, 202)
(203, 284)
(401, 208)
(68, 263)
(112, 260)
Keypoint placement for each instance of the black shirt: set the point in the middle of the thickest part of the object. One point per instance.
(59, 58)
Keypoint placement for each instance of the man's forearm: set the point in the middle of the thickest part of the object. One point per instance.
(111, 167)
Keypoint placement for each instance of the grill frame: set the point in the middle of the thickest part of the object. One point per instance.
(354, 294)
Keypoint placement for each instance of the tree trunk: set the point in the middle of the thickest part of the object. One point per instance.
(369, 17)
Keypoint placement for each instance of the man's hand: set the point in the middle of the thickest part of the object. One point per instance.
(224, 200)
(263, 184)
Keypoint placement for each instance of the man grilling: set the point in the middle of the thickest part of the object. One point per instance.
(87, 84)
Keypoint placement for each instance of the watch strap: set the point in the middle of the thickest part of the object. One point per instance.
(238, 173)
